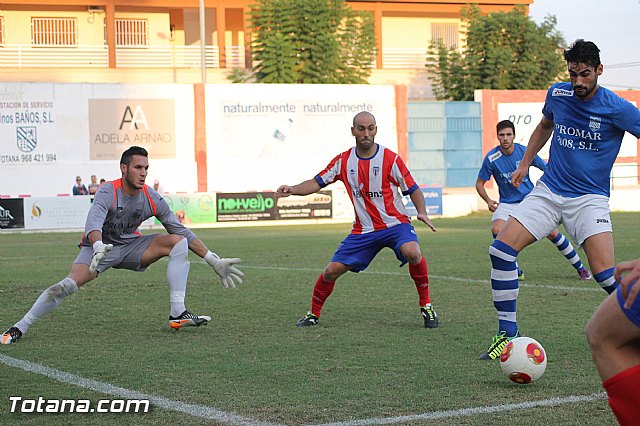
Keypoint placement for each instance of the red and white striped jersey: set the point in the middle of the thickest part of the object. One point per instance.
(372, 184)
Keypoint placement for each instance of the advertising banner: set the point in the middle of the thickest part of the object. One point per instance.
(81, 129)
(190, 209)
(249, 206)
(117, 124)
(312, 206)
(285, 133)
(432, 199)
(11, 213)
(56, 212)
(27, 129)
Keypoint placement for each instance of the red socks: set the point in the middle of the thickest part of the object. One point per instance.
(321, 291)
(623, 390)
(420, 275)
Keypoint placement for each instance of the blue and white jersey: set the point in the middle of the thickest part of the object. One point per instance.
(502, 166)
(586, 139)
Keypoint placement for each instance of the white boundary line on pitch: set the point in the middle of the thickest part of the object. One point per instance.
(211, 413)
(463, 412)
(196, 410)
(596, 287)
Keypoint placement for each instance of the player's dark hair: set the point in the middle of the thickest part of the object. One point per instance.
(134, 150)
(504, 124)
(583, 52)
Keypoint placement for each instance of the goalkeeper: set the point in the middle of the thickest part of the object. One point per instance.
(112, 240)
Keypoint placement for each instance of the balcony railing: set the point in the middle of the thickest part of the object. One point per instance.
(28, 56)
(93, 56)
(407, 58)
(167, 57)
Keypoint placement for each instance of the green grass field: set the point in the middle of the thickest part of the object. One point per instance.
(369, 361)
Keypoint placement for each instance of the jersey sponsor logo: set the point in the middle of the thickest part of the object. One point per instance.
(116, 229)
(581, 133)
(493, 157)
(594, 123)
(602, 220)
(359, 193)
(507, 177)
(561, 92)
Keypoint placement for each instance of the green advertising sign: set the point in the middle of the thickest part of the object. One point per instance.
(233, 207)
(192, 208)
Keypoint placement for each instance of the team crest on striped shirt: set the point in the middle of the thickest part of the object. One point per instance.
(376, 170)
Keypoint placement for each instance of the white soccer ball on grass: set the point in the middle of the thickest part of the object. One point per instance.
(523, 360)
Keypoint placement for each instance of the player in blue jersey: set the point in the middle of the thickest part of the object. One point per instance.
(500, 163)
(587, 123)
(112, 240)
(614, 338)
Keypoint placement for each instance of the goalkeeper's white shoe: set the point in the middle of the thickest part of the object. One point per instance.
(187, 319)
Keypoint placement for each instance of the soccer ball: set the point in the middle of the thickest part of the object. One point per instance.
(523, 360)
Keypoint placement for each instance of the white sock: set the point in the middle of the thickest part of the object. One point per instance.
(177, 274)
(47, 302)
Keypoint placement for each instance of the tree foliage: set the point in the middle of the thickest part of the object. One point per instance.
(504, 51)
(310, 41)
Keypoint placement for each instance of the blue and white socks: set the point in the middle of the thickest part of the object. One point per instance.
(606, 280)
(564, 246)
(504, 285)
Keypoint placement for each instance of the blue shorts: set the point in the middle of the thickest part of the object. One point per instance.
(634, 313)
(358, 250)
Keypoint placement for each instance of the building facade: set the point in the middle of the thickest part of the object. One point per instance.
(159, 41)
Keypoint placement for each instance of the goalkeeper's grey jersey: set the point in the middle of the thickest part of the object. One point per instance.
(119, 216)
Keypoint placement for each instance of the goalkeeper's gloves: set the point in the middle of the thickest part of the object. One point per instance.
(229, 274)
(100, 251)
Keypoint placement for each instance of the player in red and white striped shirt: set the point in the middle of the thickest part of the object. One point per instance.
(376, 179)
